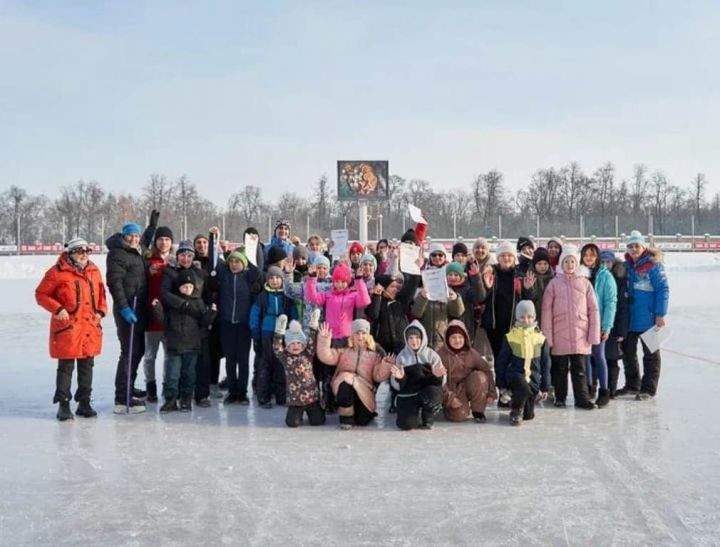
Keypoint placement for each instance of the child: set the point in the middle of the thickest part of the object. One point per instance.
(368, 265)
(355, 253)
(524, 364)
(460, 253)
(554, 248)
(469, 377)
(358, 371)
(303, 393)
(435, 315)
(571, 324)
(184, 328)
(526, 250)
(269, 305)
(543, 274)
(419, 373)
(470, 288)
(613, 345)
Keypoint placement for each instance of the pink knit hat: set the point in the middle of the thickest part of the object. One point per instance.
(342, 273)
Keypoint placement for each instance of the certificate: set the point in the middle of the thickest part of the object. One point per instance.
(409, 253)
(340, 242)
(435, 282)
(251, 245)
(654, 338)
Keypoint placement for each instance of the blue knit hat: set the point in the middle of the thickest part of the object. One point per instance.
(295, 334)
(320, 260)
(130, 229)
(607, 254)
(636, 237)
(367, 257)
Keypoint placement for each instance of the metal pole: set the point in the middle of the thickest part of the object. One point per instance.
(650, 224)
(18, 233)
(185, 227)
(499, 226)
(345, 222)
(102, 230)
(307, 228)
(692, 229)
(582, 229)
(64, 237)
(537, 228)
(403, 223)
(380, 227)
(362, 219)
(617, 233)
(454, 226)
(269, 227)
(223, 226)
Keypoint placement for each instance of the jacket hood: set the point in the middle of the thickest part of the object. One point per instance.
(456, 324)
(423, 334)
(651, 254)
(424, 355)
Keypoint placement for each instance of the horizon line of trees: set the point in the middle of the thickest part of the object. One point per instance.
(558, 200)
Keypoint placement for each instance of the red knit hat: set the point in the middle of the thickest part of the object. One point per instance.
(356, 247)
(342, 273)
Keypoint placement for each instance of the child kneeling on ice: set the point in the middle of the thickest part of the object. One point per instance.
(523, 364)
(419, 377)
(358, 371)
(296, 355)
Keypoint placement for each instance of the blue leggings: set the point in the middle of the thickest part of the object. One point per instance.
(596, 366)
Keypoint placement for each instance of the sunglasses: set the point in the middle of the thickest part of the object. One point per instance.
(437, 255)
(82, 251)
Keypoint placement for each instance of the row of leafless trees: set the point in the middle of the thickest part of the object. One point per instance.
(564, 200)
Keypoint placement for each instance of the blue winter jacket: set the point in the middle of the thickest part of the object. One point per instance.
(275, 241)
(648, 290)
(606, 294)
(269, 304)
(235, 298)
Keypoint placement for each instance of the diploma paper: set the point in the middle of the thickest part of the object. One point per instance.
(654, 338)
(251, 245)
(409, 253)
(435, 282)
(340, 242)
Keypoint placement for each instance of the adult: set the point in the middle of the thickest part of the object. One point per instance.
(482, 258)
(437, 256)
(281, 239)
(555, 249)
(128, 284)
(73, 292)
(649, 294)
(381, 256)
(158, 257)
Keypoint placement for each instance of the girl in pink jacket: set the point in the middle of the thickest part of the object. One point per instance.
(571, 324)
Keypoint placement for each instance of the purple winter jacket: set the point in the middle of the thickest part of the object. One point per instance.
(570, 317)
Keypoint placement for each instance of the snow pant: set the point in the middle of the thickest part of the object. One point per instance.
(481, 343)
(495, 338)
(127, 354)
(271, 374)
(559, 372)
(153, 339)
(613, 375)
(419, 408)
(651, 365)
(179, 375)
(236, 343)
(523, 395)
(63, 380)
(216, 352)
(351, 408)
(596, 367)
(315, 414)
(471, 396)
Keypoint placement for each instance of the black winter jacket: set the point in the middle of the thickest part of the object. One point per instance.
(185, 325)
(613, 349)
(127, 275)
(389, 318)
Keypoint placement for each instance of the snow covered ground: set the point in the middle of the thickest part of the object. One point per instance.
(633, 473)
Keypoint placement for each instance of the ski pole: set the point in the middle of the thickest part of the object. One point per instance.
(129, 365)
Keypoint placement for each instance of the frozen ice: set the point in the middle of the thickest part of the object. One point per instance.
(632, 473)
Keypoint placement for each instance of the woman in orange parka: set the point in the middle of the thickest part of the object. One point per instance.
(74, 293)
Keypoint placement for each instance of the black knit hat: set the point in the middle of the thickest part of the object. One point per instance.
(276, 254)
(251, 230)
(384, 280)
(163, 231)
(184, 277)
(541, 253)
(459, 247)
(524, 242)
(410, 236)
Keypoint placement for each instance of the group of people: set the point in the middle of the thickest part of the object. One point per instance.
(327, 331)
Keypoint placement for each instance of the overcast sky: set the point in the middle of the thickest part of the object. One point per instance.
(273, 93)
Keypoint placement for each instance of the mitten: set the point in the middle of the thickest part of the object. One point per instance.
(281, 324)
(314, 322)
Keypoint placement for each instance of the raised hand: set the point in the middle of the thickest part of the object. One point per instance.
(489, 277)
(397, 372)
(325, 330)
(529, 280)
(214, 230)
(474, 269)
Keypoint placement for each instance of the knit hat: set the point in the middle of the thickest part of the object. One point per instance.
(359, 325)
(281, 222)
(636, 237)
(300, 252)
(384, 280)
(459, 247)
(163, 231)
(356, 247)
(184, 277)
(481, 242)
(199, 236)
(367, 257)
(76, 243)
(524, 242)
(524, 307)
(541, 254)
(130, 229)
(607, 254)
(342, 273)
(456, 268)
(237, 254)
(504, 247)
(276, 254)
(410, 236)
(320, 260)
(185, 246)
(274, 271)
(437, 247)
(294, 333)
(569, 250)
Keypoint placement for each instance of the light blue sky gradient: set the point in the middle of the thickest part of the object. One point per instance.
(273, 93)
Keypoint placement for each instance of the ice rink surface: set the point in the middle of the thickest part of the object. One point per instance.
(634, 473)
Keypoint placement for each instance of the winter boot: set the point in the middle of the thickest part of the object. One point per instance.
(479, 417)
(215, 392)
(151, 388)
(169, 406)
(587, 405)
(626, 391)
(85, 410)
(346, 417)
(64, 413)
(603, 398)
(185, 404)
(515, 418)
(139, 394)
(642, 396)
(135, 407)
(427, 415)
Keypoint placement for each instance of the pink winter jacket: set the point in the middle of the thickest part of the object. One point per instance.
(570, 318)
(339, 306)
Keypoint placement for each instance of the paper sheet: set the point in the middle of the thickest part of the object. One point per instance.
(416, 214)
(409, 253)
(435, 282)
(654, 338)
(340, 242)
(251, 245)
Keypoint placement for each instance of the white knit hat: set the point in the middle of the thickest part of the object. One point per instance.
(76, 243)
(505, 247)
(569, 250)
(360, 325)
(437, 247)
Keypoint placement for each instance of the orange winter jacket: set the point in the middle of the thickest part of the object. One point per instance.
(82, 295)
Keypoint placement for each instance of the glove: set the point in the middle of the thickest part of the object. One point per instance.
(154, 217)
(314, 322)
(128, 315)
(281, 324)
(505, 396)
(257, 346)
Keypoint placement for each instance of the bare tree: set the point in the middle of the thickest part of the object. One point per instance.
(603, 184)
(638, 192)
(489, 196)
(697, 193)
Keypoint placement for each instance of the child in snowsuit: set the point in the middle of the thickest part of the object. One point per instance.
(524, 364)
(269, 305)
(358, 371)
(185, 327)
(419, 377)
(613, 345)
(296, 355)
(469, 377)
